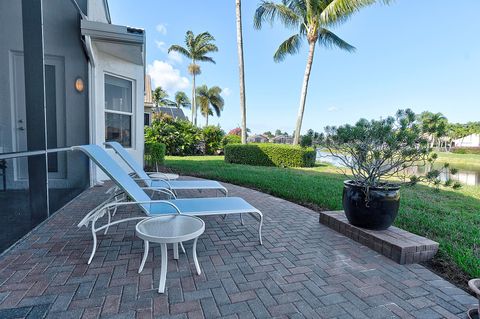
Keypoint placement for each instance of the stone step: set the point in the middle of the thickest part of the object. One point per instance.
(395, 243)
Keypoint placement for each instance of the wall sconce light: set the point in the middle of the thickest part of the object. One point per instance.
(79, 85)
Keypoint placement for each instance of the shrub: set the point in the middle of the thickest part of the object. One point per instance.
(466, 150)
(179, 136)
(231, 139)
(213, 138)
(265, 154)
(377, 150)
(154, 154)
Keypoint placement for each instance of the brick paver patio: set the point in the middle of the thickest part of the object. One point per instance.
(303, 270)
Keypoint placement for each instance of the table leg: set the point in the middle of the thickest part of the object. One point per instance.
(145, 255)
(195, 260)
(163, 269)
(183, 248)
(175, 251)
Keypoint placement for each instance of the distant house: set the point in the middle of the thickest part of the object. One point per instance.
(148, 101)
(282, 139)
(150, 108)
(175, 112)
(257, 139)
(472, 140)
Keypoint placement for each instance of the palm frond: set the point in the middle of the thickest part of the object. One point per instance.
(269, 11)
(180, 49)
(297, 6)
(290, 46)
(206, 48)
(338, 11)
(189, 39)
(329, 39)
(206, 59)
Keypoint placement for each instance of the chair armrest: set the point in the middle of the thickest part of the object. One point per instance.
(143, 202)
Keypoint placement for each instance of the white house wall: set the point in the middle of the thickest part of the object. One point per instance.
(107, 64)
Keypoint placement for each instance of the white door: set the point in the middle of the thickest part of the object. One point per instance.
(55, 101)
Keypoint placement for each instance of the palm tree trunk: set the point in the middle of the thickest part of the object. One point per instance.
(206, 122)
(303, 96)
(243, 107)
(194, 105)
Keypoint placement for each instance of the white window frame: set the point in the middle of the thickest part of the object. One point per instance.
(131, 113)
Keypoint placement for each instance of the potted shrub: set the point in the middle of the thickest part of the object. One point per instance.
(379, 154)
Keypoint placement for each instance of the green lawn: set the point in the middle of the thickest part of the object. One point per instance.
(450, 217)
(460, 161)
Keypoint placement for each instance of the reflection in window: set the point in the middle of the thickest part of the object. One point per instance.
(118, 128)
(118, 110)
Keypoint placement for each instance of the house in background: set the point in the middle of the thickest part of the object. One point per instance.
(257, 138)
(150, 108)
(282, 139)
(70, 77)
(472, 140)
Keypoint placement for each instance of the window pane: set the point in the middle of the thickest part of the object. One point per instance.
(118, 94)
(118, 128)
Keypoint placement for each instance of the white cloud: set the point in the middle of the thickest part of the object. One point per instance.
(161, 28)
(160, 45)
(332, 109)
(165, 75)
(226, 91)
(174, 57)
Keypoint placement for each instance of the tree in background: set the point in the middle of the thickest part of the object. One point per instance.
(196, 49)
(268, 134)
(241, 70)
(209, 100)
(312, 138)
(160, 97)
(434, 125)
(182, 100)
(310, 18)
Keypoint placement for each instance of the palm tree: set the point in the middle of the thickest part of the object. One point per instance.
(182, 100)
(209, 100)
(196, 48)
(160, 97)
(434, 125)
(310, 18)
(243, 107)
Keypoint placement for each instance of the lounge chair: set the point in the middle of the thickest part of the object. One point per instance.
(138, 196)
(162, 182)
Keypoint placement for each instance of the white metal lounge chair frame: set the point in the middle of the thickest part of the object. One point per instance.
(119, 194)
(142, 176)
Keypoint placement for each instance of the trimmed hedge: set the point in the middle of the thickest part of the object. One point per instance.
(466, 150)
(154, 154)
(231, 139)
(265, 154)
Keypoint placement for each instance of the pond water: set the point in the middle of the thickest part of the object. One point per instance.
(465, 176)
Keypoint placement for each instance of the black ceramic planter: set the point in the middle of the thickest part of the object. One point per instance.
(376, 213)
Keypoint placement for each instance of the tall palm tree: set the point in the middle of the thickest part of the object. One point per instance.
(182, 100)
(196, 48)
(209, 100)
(241, 69)
(311, 19)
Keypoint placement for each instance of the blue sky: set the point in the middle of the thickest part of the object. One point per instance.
(424, 55)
